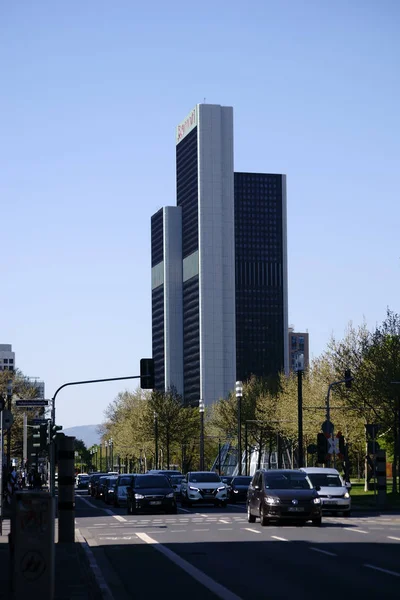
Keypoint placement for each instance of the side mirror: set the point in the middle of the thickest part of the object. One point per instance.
(318, 488)
(348, 485)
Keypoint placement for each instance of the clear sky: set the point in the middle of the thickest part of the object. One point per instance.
(90, 96)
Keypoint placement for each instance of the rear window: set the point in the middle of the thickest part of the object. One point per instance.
(241, 480)
(125, 481)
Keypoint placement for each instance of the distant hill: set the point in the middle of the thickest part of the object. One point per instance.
(87, 433)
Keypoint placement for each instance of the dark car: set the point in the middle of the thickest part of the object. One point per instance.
(149, 493)
(94, 478)
(100, 486)
(169, 473)
(82, 482)
(239, 486)
(109, 489)
(285, 495)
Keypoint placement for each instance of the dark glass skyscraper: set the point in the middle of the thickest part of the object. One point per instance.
(219, 272)
(260, 274)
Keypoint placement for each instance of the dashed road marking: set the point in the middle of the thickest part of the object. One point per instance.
(119, 518)
(392, 537)
(280, 539)
(250, 529)
(357, 530)
(323, 551)
(224, 521)
(382, 570)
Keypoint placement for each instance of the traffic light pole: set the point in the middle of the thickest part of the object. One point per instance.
(53, 419)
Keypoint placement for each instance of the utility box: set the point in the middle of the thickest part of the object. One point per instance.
(32, 546)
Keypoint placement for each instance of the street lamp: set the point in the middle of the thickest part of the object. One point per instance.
(111, 446)
(106, 446)
(156, 439)
(239, 396)
(201, 410)
(299, 367)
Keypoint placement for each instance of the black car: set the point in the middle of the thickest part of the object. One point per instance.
(283, 494)
(149, 493)
(109, 489)
(94, 478)
(239, 486)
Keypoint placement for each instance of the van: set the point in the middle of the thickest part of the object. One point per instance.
(331, 488)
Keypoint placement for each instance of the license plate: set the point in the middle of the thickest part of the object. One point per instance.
(296, 509)
(155, 502)
(330, 502)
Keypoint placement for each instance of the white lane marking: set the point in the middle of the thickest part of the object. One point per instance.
(200, 530)
(224, 521)
(275, 537)
(323, 551)
(225, 528)
(94, 567)
(178, 530)
(184, 510)
(382, 570)
(119, 518)
(106, 510)
(202, 515)
(392, 537)
(249, 529)
(357, 530)
(219, 590)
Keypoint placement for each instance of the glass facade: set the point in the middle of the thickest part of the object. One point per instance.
(259, 275)
(187, 199)
(157, 302)
(187, 191)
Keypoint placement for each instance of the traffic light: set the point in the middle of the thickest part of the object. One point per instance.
(39, 436)
(348, 377)
(322, 447)
(54, 430)
(147, 373)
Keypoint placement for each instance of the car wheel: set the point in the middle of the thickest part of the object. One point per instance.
(263, 517)
(250, 518)
(317, 522)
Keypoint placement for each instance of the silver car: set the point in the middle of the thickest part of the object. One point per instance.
(203, 487)
(331, 488)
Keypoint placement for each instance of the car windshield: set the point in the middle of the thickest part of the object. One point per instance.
(125, 481)
(287, 482)
(204, 478)
(241, 481)
(176, 479)
(151, 481)
(325, 479)
(83, 477)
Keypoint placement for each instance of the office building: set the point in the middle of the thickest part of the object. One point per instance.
(7, 358)
(196, 266)
(261, 275)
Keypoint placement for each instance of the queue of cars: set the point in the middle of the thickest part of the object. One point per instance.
(300, 495)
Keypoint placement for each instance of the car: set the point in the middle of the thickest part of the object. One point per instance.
(176, 482)
(151, 493)
(109, 488)
(121, 486)
(203, 487)
(82, 481)
(100, 486)
(94, 478)
(238, 488)
(333, 491)
(168, 473)
(283, 495)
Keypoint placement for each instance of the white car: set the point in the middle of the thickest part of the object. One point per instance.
(331, 488)
(203, 487)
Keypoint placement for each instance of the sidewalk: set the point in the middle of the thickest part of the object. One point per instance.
(73, 578)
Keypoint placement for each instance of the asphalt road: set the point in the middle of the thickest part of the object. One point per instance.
(208, 552)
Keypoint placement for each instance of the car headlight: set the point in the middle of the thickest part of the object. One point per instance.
(272, 500)
(235, 491)
(317, 500)
(221, 489)
(194, 489)
(346, 495)
(139, 496)
(171, 495)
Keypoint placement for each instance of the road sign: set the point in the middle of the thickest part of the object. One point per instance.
(327, 427)
(38, 421)
(34, 402)
(8, 419)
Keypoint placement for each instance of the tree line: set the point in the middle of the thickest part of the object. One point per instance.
(269, 406)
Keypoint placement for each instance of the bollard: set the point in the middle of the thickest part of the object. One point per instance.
(66, 489)
(32, 546)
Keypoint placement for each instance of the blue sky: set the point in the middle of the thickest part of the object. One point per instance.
(91, 94)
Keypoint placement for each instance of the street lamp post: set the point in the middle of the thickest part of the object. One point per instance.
(299, 367)
(110, 445)
(201, 410)
(106, 446)
(156, 439)
(239, 396)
